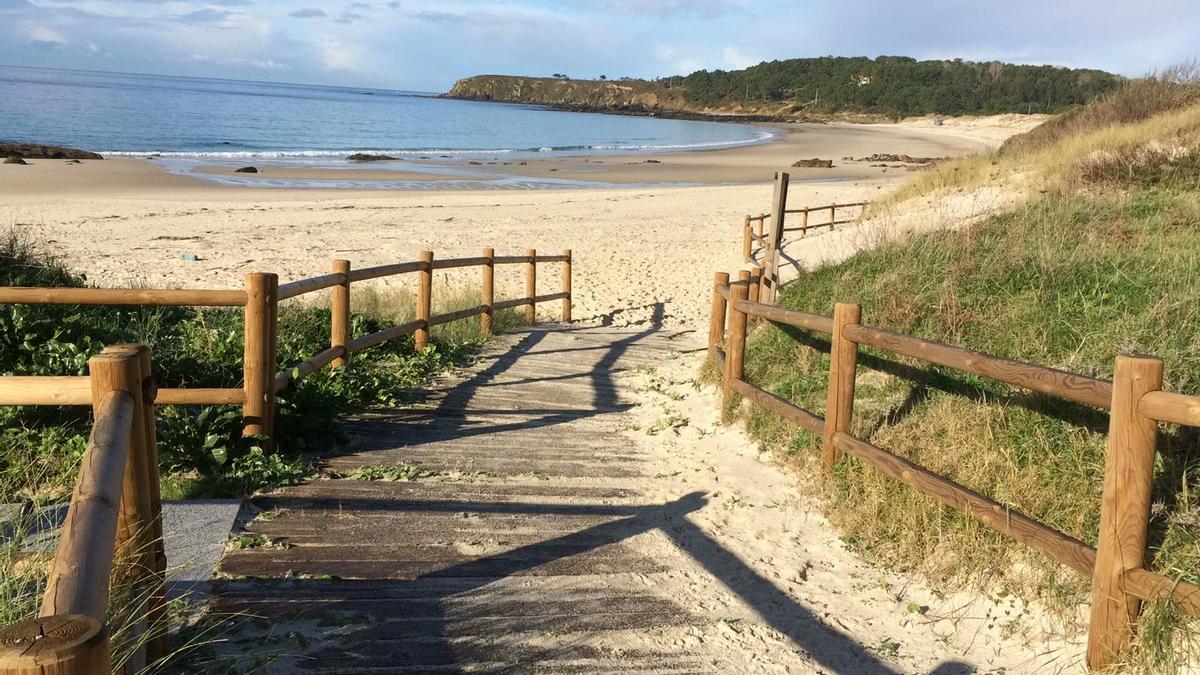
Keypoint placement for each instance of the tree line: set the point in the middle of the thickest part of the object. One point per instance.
(898, 86)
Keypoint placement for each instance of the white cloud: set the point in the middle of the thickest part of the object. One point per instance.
(736, 59)
(44, 35)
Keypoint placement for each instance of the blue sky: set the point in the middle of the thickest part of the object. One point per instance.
(426, 45)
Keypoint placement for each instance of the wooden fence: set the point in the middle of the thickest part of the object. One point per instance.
(762, 234)
(115, 513)
(1134, 396)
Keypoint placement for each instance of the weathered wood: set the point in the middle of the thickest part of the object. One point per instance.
(1124, 508)
(1148, 585)
(199, 396)
(489, 291)
(68, 644)
(552, 258)
(78, 579)
(424, 299)
(1079, 388)
(45, 390)
(718, 357)
(384, 335)
(790, 317)
(10, 295)
(550, 297)
(735, 346)
(747, 239)
(258, 370)
(339, 314)
(451, 263)
(785, 409)
(512, 259)
(385, 271)
(1166, 406)
(119, 368)
(566, 286)
(455, 316)
(531, 287)
(509, 304)
(843, 364)
(158, 641)
(716, 322)
(313, 284)
(1059, 546)
(778, 214)
(301, 370)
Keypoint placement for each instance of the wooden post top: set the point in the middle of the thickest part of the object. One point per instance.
(66, 643)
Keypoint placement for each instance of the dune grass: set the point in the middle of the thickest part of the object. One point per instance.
(1103, 260)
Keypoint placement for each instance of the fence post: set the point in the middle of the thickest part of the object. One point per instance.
(66, 644)
(1124, 508)
(778, 214)
(843, 359)
(832, 215)
(566, 272)
(531, 286)
(804, 224)
(716, 321)
(747, 240)
(735, 349)
(339, 326)
(424, 299)
(158, 643)
(489, 290)
(259, 354)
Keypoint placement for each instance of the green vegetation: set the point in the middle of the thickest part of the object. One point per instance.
(201, 447)
(1105, 261)
(899, 86)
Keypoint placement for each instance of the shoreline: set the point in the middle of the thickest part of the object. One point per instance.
(749, 164)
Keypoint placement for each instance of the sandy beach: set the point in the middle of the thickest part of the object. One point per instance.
(130, 222)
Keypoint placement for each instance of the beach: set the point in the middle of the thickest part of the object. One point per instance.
(655, 235)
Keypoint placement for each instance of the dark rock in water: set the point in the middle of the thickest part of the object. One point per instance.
(888, 157)
(246, 169)
(39, 151)
(15, 160)
(652, 161)
(364, 157)
(814, 163)
(474, 163)
(74, 161)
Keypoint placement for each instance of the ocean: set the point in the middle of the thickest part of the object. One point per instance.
(119, 114)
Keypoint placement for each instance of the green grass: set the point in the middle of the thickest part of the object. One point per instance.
(1070, 280)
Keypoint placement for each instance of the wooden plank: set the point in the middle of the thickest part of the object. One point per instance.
(305, 368)
(385, 271)
(450, 263)
(511, 259)
(1148, 585)
(78, 580)
(455, 316)
(45, 390)
(553, 258)
(199, 396)
(790, 317)
(778, 216)
(506, 304)
(1079, 388)
(1057, 545)
(1166, 406)
(384, 335)
(812, 423)
(1124, 508)
(310, 285)
(549, 297)
(121, 296)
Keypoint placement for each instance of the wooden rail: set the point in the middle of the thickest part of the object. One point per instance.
(1119, 580)
(116, 507)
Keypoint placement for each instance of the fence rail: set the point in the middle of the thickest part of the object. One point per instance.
(115, 514)
(1134, 396)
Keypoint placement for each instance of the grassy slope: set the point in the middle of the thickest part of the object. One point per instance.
(1105, 262)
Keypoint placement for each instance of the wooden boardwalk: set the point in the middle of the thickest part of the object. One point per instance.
(517, 553)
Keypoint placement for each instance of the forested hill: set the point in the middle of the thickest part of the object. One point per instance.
(891, 86)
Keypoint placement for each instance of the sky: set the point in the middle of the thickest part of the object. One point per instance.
(426, 45)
